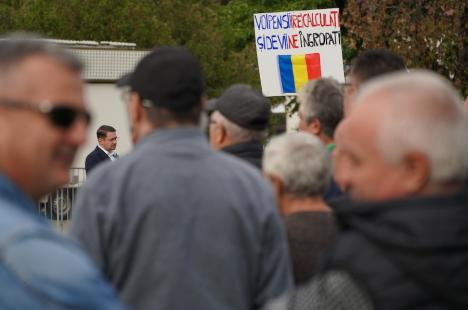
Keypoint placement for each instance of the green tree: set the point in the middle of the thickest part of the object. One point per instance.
(429, 34)
(220, 33)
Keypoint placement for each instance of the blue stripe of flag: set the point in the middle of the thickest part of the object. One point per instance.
(286, 74)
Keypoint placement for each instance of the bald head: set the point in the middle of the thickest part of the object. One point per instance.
(411, 126)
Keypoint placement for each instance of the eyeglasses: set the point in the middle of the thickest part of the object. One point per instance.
(60, 115)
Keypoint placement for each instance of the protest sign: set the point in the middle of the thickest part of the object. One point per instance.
(295, 47)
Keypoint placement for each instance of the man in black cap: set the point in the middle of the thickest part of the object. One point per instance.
(177, 225)
(238, 124)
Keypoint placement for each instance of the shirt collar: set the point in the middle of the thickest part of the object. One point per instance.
(110, 154)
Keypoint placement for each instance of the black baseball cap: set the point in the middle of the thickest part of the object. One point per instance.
(169, 77)
(244, 106)
(124, 80)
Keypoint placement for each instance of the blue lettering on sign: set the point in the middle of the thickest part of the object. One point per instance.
(273, 42)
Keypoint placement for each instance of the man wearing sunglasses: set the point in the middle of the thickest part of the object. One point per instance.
(105, 150)
(43, 121)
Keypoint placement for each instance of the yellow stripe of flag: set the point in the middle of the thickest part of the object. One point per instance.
(300, 71)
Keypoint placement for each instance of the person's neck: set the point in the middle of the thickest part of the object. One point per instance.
(325, 139)
(291, 205)
(18, 178)
(442, 189)
(146, 129)
(102, 148)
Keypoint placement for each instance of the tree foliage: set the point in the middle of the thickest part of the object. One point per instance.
(429, 34)
(220, 33)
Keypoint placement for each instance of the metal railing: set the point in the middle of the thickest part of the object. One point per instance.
(58, 206)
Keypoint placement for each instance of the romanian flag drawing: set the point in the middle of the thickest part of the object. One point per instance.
(296, 70)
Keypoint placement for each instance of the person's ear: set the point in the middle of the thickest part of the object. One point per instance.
(277, 185)
(275, 182)
(133, 108)
(416, 172)
(315, 126)
(221, 134)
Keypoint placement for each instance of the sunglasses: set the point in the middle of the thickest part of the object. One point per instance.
(60, 115)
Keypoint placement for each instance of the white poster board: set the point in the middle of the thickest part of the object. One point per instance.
(294, 47)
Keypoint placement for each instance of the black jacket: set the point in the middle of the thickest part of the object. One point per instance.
(94, 158)
(251, 152)
(407, 254)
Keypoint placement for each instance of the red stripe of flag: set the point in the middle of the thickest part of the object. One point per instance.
(314, 70)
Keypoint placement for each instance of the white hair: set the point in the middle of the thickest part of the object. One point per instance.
(300, 161)
(235, 132)
(424, 115)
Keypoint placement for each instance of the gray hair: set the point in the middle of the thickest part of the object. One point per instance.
(322, 99)
(18, 46)
(235, 132)
(300, 161)
(425, 115)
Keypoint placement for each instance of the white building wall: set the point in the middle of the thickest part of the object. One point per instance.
(107, 108)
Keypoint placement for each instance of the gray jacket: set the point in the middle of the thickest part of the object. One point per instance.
(176, 225)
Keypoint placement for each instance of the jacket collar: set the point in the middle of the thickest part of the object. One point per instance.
(173, 135)
(252, 148)
(428, 222)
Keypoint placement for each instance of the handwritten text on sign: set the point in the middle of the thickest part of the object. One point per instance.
(294, 47)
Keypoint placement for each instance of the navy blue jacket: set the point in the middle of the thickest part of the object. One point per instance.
(94, 158)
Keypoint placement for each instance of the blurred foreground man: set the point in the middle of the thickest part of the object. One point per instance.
(43, 121)
(177, 225)
(239, 122)
(404, 240)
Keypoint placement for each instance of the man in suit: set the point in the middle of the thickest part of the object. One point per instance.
(105, 150)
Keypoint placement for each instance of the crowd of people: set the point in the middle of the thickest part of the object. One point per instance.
(364, 208)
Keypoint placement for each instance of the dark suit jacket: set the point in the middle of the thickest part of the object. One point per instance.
(94, 158)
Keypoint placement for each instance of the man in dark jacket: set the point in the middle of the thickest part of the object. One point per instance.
(239, 122)
(404, 238)
(105, 150)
